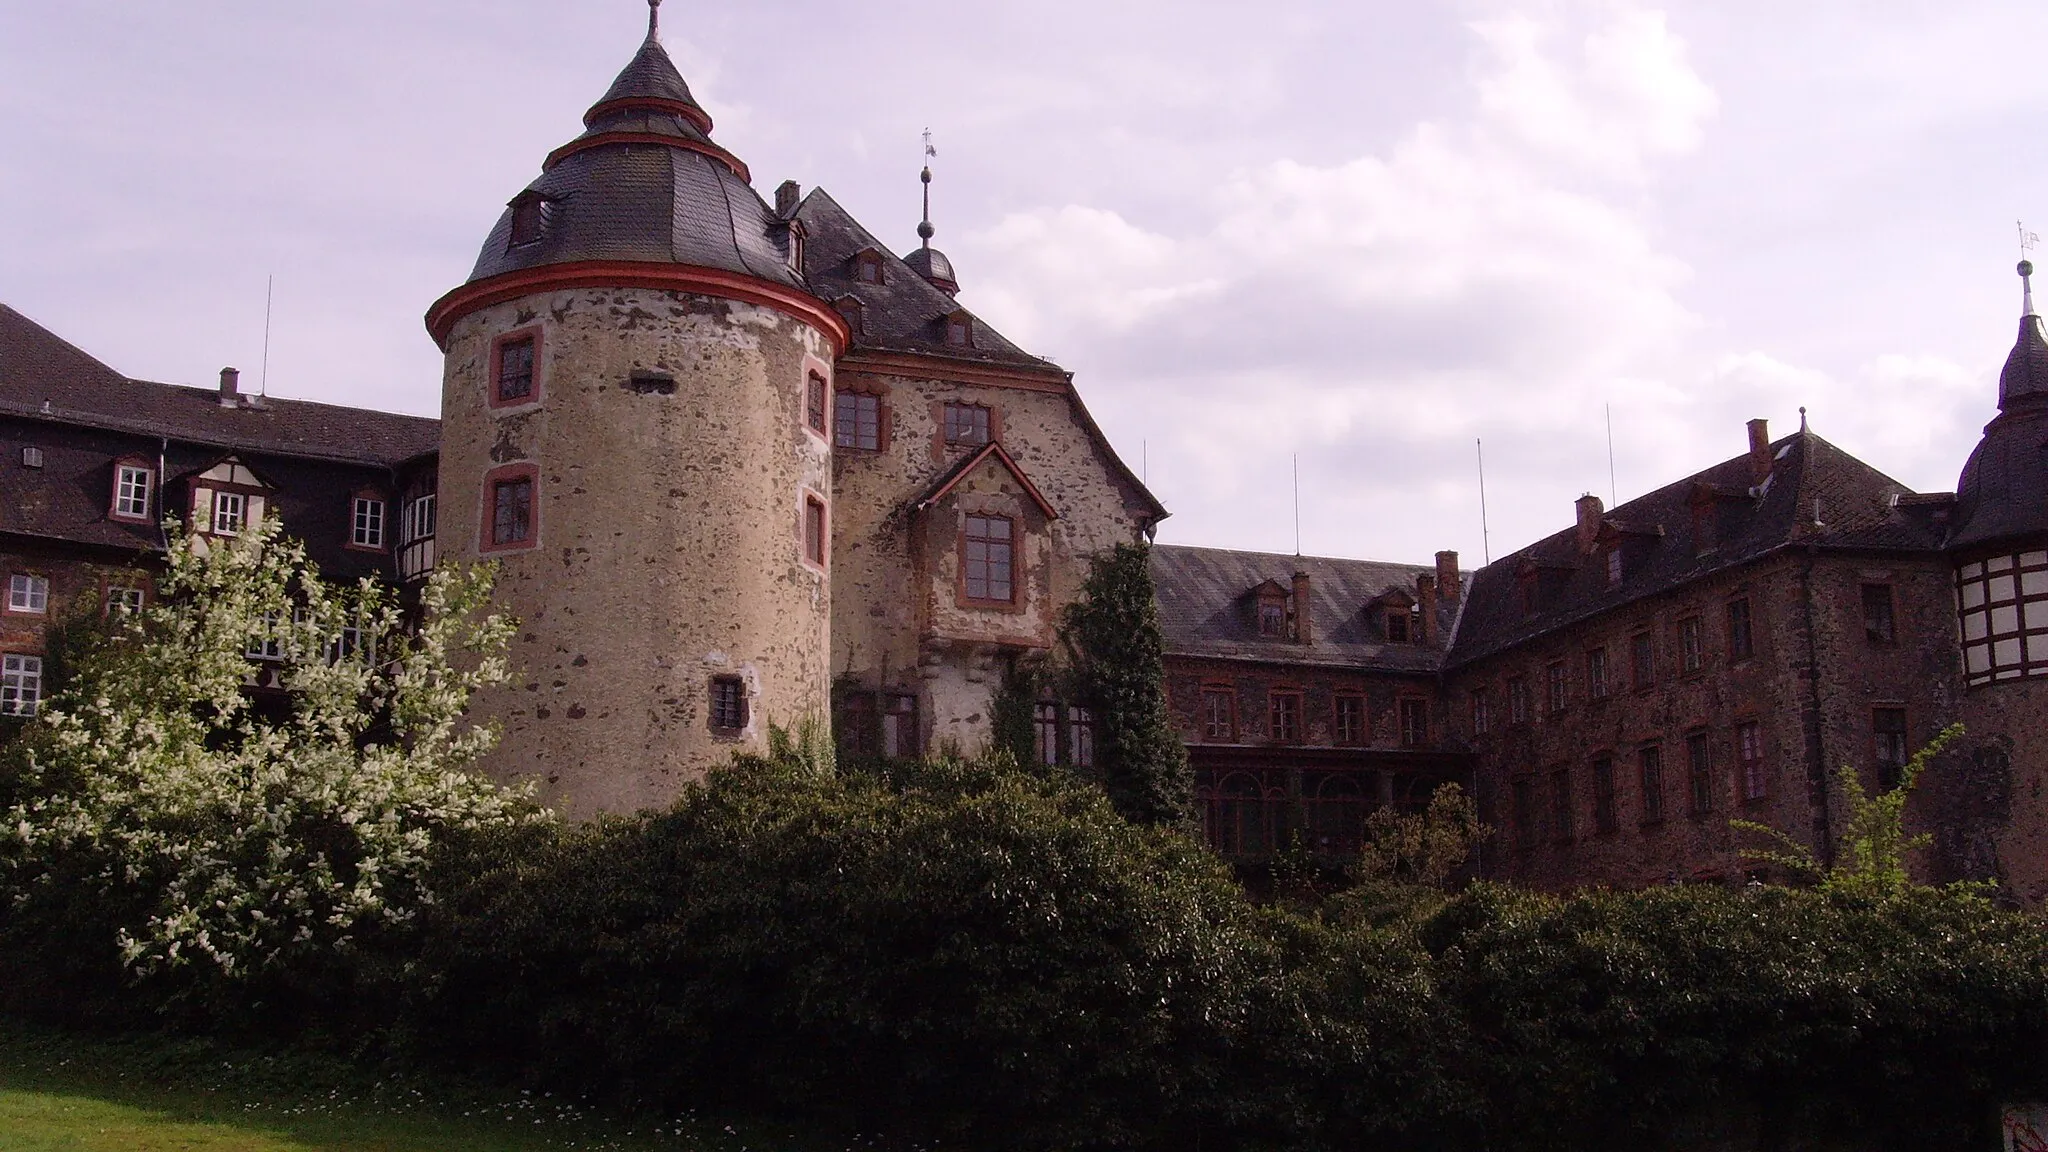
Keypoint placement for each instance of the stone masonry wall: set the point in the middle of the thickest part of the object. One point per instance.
(669, 542)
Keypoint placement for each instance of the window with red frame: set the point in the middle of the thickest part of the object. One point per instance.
(989, 544)
(814, 530)
(857, 421)
(512, 511)
(1285, 714)
(515, 370)
(814, 403)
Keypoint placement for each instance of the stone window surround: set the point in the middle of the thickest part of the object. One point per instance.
(1020, 582)
(488, 508)
(498, 344)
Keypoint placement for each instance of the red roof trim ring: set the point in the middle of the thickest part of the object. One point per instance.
(586, 143)
(690, 112)
(462, 301)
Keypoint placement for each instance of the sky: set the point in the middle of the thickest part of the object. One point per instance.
(1349, 241)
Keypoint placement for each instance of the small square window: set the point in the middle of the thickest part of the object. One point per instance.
(368, 522)
(966, 424)
(868, 268)
(728, 703)
(960, 330)
(21, 685)
(26, 593)
(123, 599)
(31, 457)
(857, 420)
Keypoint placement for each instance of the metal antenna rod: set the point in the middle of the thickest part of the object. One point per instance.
(263, 377)
(1485, 537)
(1613, 491)
(1297, 505)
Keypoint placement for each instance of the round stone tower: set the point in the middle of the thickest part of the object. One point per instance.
(634, 428)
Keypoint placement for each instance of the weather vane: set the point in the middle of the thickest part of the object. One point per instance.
(928, 149)
(2027, 239)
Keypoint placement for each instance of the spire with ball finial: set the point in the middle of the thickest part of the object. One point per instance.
(653, 19)
(2026, 271)
(928, 261)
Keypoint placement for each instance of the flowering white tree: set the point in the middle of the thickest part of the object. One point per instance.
(253, 832)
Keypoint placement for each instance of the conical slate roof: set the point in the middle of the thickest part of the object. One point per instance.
(2002, 495)
(643, 184)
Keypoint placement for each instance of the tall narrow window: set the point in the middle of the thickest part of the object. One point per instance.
(902, 738)
(1879, 626)
(1596, 673)
(1272, 616)
(986, 555)
(1414, 722)
(26, 593)
(1692, 647)
(367, 522)
(527, 217)
(966, 424)
(1749, 746)
(859, 728)
(1284, 712)
(1045, 732)
(1518, 700)
(1561, 805)
(132, 485)
(1081, 737)
(814, 530)
(728, 703)
(1888, 745)
(857, 421)
(1554, 686)
(1482, 718)
(1650, 765)
(1699, 766)
(1605, 819)
(228, 509)
(1642, 660)
(1350, 719)
(1396, 627)
(1614, 564)
(1219, 715)
(814, 403)
(1741, 634)
(1524, 791)
(515, 370)
(512, 511)
(21, 684)
(416, 536)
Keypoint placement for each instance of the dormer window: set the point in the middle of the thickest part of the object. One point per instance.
(849, 309)
(867, 267)
(1272, 617)
(960, 330)
(1398, 631)
(528, 215)
(796, 246)
(1613, 564)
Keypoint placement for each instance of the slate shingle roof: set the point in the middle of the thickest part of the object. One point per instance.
(904, 313)
(42, 376)
(1205, 608)
(1857, 510)
(2003, 491)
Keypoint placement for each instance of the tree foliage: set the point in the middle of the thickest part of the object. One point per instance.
(225, 841)
(1118, 659)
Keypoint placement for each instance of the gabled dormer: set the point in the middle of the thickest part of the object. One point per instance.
(226, 500)
(1396, 616)
(1272, 611)
(869, 267)
(959, 329)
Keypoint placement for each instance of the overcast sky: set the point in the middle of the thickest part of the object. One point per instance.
(1366, 234)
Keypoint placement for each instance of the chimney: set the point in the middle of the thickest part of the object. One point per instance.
(1425, 603)
(1759, 451)
(787, 195)
(1447, 579)
(1301, 610)
(1590, 510)
(230, 388)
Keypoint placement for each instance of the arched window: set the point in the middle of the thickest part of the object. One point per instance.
(1238, 816)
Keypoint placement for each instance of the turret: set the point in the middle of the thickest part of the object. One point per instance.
(635, 402)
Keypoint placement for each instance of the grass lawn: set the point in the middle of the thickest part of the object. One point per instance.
(153, 1095)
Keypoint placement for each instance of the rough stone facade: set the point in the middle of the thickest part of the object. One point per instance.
(673, 460)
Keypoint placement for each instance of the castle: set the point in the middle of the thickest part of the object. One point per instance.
(740, 464)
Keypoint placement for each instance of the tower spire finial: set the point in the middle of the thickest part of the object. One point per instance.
(653, 19)
(2026, 269)
(925, 231)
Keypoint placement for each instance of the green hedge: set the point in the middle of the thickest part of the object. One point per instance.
(978, 955)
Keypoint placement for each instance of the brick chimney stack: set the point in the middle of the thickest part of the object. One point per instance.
(1590, 511)
(230, 387)
(788, 195)
(1425, 603)
(1759, 451)
(1448, 581)
(1301, 610)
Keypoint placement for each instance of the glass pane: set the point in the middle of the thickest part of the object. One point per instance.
(2005, 618)
(2005, 653)
(2037, 649)
(1977, 658)
(2001, 588)
(1973, 626)
(1971, 571)
(1973, 594)
(1998, 564)
(2037, 615)
(2034, 583)
(2033, 559)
